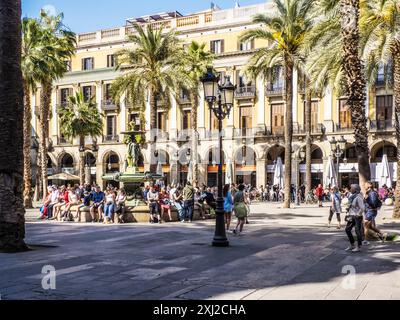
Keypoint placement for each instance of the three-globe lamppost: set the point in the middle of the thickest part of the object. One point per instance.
(220, 99)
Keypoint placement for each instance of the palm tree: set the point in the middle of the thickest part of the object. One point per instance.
(31, 60)
(380, 29)
(150, 69)
(285, 32)
(78, 120)
(335, 62)
(195, 65)
(353, 71)
(12, 212)
(60, 46)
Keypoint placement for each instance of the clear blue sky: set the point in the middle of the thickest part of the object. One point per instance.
(90, 15)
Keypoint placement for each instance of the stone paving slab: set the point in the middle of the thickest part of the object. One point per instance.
(283, 254)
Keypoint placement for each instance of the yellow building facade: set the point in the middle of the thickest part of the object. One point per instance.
(253, 134)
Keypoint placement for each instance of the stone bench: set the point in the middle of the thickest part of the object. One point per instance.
(138, 214)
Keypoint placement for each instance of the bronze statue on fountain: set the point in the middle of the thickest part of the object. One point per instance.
(132, 178)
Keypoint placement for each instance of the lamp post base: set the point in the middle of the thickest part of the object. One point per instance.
(220, 243)
(220, 239)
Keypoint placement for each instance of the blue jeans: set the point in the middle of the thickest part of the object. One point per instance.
(188, 208)
(179, 208)
(109, 210)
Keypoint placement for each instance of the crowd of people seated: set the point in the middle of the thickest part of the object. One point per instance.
(66, 203)
(102, 206)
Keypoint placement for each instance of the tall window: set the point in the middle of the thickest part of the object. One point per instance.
(246, 116)
(344, 115)
(111, 126)
(107, 92)
(246, 45)
(111, 61)
(276, 80)
(278, 118)
(217, 46)
(314, 115)
(88, 92)
(88, 64)
(161, 121)
(64, 95)
(213, 121)
(186, 123)
(243, 81)
(68, 65)
(384, 107)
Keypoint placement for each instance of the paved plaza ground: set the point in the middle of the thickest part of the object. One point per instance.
(284, 254)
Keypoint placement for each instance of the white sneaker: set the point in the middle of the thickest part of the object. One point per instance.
(365, 243)
(351, 248)
(356, 249)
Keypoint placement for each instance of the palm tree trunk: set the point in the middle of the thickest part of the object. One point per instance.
(45, 102)
(355, 84)
(82, 161)
(308, 136)
(193, 119)
(27, 148)
(38, 180)
(12, 212)
(153, 126)
(288, 129)
(396, 89)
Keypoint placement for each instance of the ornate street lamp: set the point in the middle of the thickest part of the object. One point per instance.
(220, 100)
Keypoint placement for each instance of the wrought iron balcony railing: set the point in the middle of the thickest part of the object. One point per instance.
(272, 90)
(111, 138)
(381, 125)
(109, 105)
(245, 92)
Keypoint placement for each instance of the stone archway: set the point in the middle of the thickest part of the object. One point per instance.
(245, 162)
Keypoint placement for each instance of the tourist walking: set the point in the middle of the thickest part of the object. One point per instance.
(354, 218)
(372, 205)
(228, 206)
(241, 209)
(188, 202)
(336, 207)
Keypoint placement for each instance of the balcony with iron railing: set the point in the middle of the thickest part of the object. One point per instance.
(184, 99)
(343, 127)
(62, 141)
(273, 90)
(109, 105)
(277, 131)
(245, 92)
(110, 138)
(381, 125)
